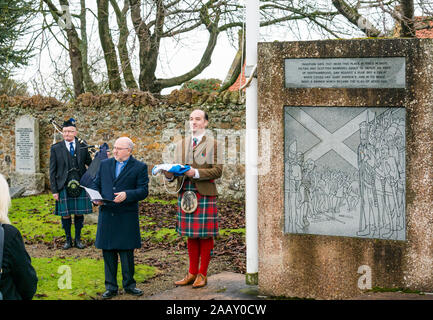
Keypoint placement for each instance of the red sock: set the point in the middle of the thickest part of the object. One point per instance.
(206, 245)
(194, 254)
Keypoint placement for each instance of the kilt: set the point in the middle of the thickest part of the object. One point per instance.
(68, 205)
(201, 223)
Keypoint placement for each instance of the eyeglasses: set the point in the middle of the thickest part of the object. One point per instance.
(68, 131)
(117, 148)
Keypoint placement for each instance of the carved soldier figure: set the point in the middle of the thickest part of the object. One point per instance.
(362, 150)
(294, 174)
(391, 178)
(306, 190)
(370, 188)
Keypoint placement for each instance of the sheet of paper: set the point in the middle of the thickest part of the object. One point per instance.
(93, 194)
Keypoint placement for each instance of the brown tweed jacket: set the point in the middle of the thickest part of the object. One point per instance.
(205, 158)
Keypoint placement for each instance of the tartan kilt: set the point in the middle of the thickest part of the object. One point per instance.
(68, 205)
(201, 223)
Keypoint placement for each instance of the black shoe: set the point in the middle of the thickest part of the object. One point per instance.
(68, 245)
(79, 244)
(135, 292)
(109, 294)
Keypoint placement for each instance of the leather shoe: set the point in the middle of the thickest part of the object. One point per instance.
(68, 245)
(135, 292)
(79, 244)
(200, 281)
(109, 294)
(189, 278)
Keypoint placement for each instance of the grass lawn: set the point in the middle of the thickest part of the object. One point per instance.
(77, 279)
(34, 217)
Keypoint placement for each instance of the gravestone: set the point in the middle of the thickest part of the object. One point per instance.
(351, 205)
(27, 165)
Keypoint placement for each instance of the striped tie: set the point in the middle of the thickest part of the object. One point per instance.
(194, 142)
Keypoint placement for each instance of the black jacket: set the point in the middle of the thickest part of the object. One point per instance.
(19, 279)
(60, 163)
(118, 223)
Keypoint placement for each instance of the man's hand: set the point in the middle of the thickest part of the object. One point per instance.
(167, 174)
(120, 197)
(190, 173)
(56, 196)
(98, 203)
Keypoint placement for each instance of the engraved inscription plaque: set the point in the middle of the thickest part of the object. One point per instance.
(344, 171)
(27, 144)
(377, 72)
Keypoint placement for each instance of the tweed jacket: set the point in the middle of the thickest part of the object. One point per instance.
(205, 158)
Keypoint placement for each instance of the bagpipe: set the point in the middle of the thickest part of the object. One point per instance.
(98, 153)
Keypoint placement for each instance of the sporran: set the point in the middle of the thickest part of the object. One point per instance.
(73, 188)
(189, 202)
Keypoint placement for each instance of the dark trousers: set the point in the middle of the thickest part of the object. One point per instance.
(110, 266)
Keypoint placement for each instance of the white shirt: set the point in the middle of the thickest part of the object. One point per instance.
(68, 145)
(199, 138)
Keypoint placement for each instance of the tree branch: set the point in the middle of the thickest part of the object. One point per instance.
(356, 18)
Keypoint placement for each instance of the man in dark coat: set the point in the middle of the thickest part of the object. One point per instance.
(68, 161)
(124, 180)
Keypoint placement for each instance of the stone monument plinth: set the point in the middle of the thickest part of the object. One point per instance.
(27, 165)
(346, 204)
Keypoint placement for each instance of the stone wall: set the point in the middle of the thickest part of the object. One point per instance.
(152, 123)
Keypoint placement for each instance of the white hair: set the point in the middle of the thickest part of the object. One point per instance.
(5, 200)
(128, 142)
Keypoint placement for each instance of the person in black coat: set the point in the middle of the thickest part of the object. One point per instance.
(18, 278)
(68, 161)
(124, 180)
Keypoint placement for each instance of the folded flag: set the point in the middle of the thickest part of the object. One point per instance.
(176, 169)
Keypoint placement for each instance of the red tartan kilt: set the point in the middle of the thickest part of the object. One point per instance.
(201, 223)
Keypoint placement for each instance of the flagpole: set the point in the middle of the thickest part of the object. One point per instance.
(251, 144)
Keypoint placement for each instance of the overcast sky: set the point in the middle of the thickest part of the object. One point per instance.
(177, 57)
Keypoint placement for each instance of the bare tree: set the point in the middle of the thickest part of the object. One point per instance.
(87, 78)
(108, 47)
(407, 18)
(352, 14)
(150, 22)
(73, 42)
(121, 17)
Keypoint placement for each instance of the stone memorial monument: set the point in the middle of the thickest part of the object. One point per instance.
(351, 207)
(27, 164)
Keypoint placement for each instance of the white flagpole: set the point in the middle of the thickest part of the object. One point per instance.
(251, 143)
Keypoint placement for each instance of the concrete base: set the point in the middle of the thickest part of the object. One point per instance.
(16, 192)
(33, 183)
(252, 278)
(221, 286)
(91, 218)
